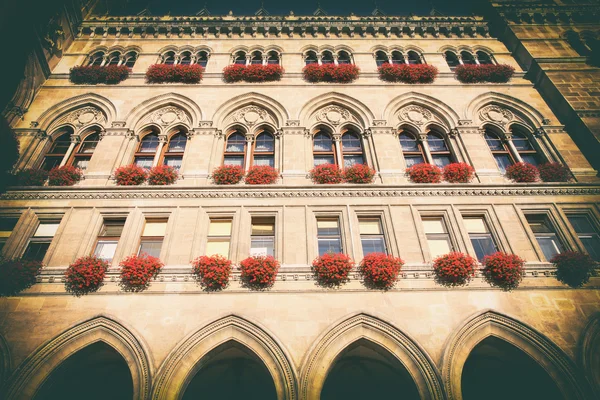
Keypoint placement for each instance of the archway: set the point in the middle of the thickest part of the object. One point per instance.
(366, 370)
(96, 372)
(229, 372)
(495, 361)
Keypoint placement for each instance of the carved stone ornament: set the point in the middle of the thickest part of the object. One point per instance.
(206, 124)
(333, 114)
(85, 116)
(250, 115)
(168, 116)
(496, 114)
(292, 122)
(379, 122)
(415, 114)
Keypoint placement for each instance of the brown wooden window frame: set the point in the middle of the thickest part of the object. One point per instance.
(332, 152)
(235, 153)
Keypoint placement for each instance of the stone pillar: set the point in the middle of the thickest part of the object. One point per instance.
(295, 148)
(387, 153)
(198, 162)
(108, 155)
(477, 153)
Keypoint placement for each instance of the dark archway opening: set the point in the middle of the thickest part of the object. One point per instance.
(231, 372)
(365, 370)
(497, 370)
(97, 372)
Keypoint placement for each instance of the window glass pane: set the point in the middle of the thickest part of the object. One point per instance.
(439, 247)
(408, 143)
(149, 144)
(61, 144)
(328, 227)
(264, 142)
(177, 143)
(6, 226)
(89, 144)
(151, 247)
(144, 162)
(46, 229)
(475, 225)
(263, 228)
(36, 250)
(373, 245)
(155, 228)
(494, 142)
(264, 160)
(235, 146)
(112, 228)
(322, 142)
(483, 245)
(321, 159)
(549, 245)
(530, 158)
(174, 162)
(440, 161)
(521, 142)
(436, 143)
(592, 245)
(220, 247)
(330, 245)
(105, 249)
(503, 161)
(234, 160)
(434, 226)
(351, 142)
(369, 227)
(51, 162)
(413, 160)
(219, 228)
(581, 224)
(262, 246)
(350, 160)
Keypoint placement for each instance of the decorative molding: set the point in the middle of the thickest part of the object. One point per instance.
(118, 124)
(292, 122)
(206, 124)
(496, 114)
(415, 114)
(250, 115)
(170, 115)
(379, 122)
(334, 115)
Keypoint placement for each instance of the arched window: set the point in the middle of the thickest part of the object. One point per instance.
(130, 59)
(202, 59)
(411, 149)
(323, 150)
(273, 58)
(344, 58)
(256, 58)
(352, 150)
(311, 58)
(113, 59)
(96, 59)
(185, 58)
(264, 149)
(327, 58)
(58, 150)
(397, 58)
(414, 58)
(499, 150)
(381, 58)
(83, 152)
(524, 147)
(146, 151)
(452, 60)
(240, 58)
(169, 58)
(467, 58)
(484, 58)
(438, 148)
(175, 148)
(235, 149)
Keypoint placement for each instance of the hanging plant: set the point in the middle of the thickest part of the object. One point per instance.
(424, 173)
(574, 268)
(165, 73)
(227, 175)
(261, 175)
(252, 73)
(407, 73)
(31, 177)
(138, 271)
(212, 272)
(503, 270)
(162, 175)
(85, 275)
(259, 272)
(130, 175)
(471, 73)
(332, 270)
(17, 275)
(234, 73)
(342, 73)
(454, 269)
(359, 173)
(522, 172)
(554, 172)
(380, 271)
(458, 173)
(94, 74)
(326, 174)
(66, 175)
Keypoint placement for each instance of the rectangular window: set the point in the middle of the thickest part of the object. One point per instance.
(6, 227)
(219, 237)
(329, 236)
(438, 238)
(108, 239)
(480, 236)
(544, 234)
(371, 236)
(152, 237)
(234, 160)
(144, 162)
(262, 242)
(587, 233)
(323, 159)
(40, 242)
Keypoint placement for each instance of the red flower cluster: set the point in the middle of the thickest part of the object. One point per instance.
(137, 271)
(17, 275)
(326, 173)
(458, 173)
(484, 73)
(503, 270)
(212, 272)
(164, 73)
(425, 173)
(380, 271)
(332, 270)
(261, 175)
(343, 73)
(259, 272)
(85, 275)
(359, 173)
(407, 73)
(454, 269)
(554, 172)
(31, 177)
(94, 74)
(252, 73)
(574, 268)
(228, 174)
(130, 175)
(66, 175)
(162, 175)
(522, 172)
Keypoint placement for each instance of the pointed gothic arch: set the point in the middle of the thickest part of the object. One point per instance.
(276, 110)
(363, 115)
(520, 109)
(420, 109)
(184, 361)
(335, 340)
(32, 373)
(147, 107)
(534, 344)
(589, 352)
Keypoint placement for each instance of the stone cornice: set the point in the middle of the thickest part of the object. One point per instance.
(541, 13)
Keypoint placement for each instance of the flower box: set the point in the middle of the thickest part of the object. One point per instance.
(259, 272)
(138, 271)
(326, 174)
(359, 173)
(424, 173)
(454, 269)
(407, 73)
(522, 172)
(94, 74)
(17, 275)
(261, 175)
(252, 73)
(458, 173)
(227, 175)
(332, 270)
(85, 275)
(130, 175)
(31, 177)
(484, 73)
(343, 73)
(162, 175)
(380, 271)
(503, 270)
(574, 268)
(212, 272)
(66, 175)
(554, 172)
(165, 73)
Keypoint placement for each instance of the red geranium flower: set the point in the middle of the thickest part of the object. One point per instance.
(17, 275)
(342, 73)
(94, 74)
(326, 173)
(32, 177)
(407, 73)
(470, 73)
(522, 172)
(458, 173)
(554, 172)
(574, 268)
(261, 175)
(454, 269)
(165, 73)
(162, 175)
(212, 272)
(85, 275)
(503, 270)
(380, 271)
(129, 175)
(137, 271)
(359, 173)
(425, 173)
(332, 270)
(67, 175)
(227, 175)
(259, 272)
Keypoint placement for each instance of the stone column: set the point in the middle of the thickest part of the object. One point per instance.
(387, 153)
(108, 155)
(295, 146)
(477, 153)
(203, 152)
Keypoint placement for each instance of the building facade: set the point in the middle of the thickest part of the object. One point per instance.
(298, 340)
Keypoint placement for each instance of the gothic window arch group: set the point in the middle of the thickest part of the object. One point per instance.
(328, 56)
(66, 148)
(345, 149)
(199, 56)
(155, 149)
(101, 58)
(516, 145)
(257, 57)
(398, 56)
(431, 147)
(454, 58)
(245, 150)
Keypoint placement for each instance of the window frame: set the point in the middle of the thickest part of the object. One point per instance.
(153, 239)
(555, 232)
(43, 239)
(147, 154)
(440, 153)
(351, 152)
(593, 219)
(4, 239)
(166, 154)
(272, 220)
(421, 150)
(382, 235)
(236, 153)
(495, 152)
(100, 238)
(77, 155)
(448, 234)
(330, 217)
(219, 238)
(57, 157)
(484, 215)
(322, 153)
(254, 152)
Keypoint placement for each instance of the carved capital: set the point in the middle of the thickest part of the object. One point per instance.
(366, 133)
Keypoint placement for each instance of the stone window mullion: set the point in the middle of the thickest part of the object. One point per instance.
(425, 145)
(74, 141)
